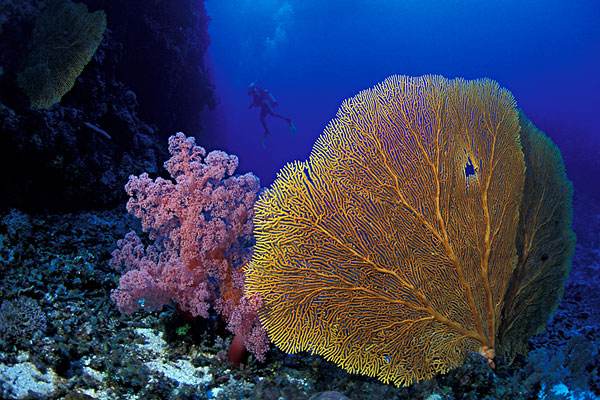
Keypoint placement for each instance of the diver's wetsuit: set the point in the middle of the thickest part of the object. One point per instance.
(263, 99)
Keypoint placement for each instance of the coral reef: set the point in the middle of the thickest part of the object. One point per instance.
(200, 225)
(90, 100)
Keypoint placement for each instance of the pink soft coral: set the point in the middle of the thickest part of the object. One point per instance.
(201, 227)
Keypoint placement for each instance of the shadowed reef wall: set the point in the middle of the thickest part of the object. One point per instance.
(146, 81)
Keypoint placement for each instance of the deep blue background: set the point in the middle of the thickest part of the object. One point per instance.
(311, 54)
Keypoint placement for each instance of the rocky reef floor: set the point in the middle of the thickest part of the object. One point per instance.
(61, 336)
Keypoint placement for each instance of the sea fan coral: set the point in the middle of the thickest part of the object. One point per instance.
(390, 250)
(65, 38)
(545, 243)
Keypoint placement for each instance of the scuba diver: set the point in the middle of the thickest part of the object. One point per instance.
(264, 99)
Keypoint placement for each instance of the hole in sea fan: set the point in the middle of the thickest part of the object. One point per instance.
(470, 172)
(469, 169)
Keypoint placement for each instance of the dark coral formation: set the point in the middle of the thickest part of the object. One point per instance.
(79, 153)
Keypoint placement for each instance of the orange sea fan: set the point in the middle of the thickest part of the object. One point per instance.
(389, 251)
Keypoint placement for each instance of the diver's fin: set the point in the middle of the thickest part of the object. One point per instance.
(263, 142)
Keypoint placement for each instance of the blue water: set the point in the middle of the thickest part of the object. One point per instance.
(312, 54)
